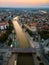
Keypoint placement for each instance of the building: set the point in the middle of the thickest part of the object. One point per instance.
(43, 26)
(3, 25)
(32, 26)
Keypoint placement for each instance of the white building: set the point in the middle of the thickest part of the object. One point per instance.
(3, 25)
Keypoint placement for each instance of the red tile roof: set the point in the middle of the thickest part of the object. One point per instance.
(3, 23)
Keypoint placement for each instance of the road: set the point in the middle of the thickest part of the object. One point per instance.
(20, 36)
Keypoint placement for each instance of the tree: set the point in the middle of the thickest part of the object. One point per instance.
(9, 42)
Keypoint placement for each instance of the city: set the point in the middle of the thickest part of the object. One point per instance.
(24, 36)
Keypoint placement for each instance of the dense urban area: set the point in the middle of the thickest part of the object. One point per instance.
(24, 36)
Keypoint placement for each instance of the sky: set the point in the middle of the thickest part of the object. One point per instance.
(24, 3)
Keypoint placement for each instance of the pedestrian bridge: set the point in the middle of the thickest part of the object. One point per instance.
(18, 50)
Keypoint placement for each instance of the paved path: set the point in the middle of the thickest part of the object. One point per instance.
(11, 60)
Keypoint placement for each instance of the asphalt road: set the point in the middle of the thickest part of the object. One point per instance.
(20, 36)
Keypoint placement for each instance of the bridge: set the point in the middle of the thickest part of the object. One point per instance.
(18, 50)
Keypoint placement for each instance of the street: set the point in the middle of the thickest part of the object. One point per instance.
(20, 36)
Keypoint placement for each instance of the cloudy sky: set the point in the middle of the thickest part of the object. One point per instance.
(23, 3)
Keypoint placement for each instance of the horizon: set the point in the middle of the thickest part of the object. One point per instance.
(22, 3)
(27, 7)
